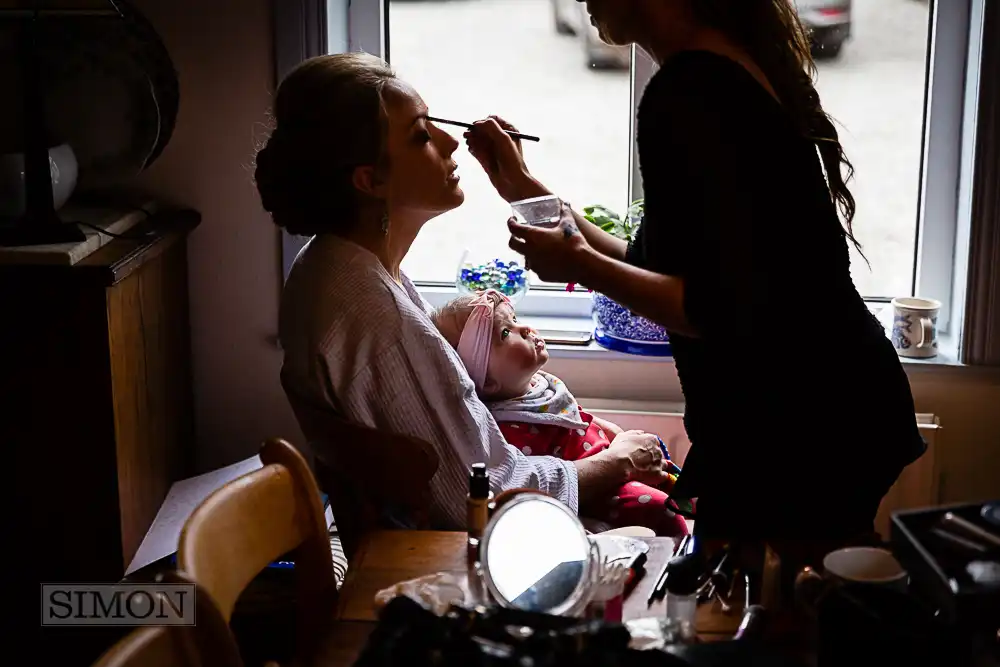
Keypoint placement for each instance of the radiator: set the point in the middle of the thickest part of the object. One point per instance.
(920, 483)
(918, 486)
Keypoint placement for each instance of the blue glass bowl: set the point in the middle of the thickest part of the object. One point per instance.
(619, 329)
(508, 277)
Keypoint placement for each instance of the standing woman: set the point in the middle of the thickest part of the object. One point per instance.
(798, 410)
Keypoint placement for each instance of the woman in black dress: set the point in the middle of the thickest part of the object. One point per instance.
(798, 410)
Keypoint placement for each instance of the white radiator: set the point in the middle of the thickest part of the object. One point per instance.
(918, 486)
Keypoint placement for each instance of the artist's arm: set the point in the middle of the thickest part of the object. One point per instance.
(493, 147)
(563, 255)
(578, 251)
(525, 186)
(655, 296)
(693, 184)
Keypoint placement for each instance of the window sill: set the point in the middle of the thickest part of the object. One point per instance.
(575, 317)
(947, 347)
(596, 373)
(947, 354)
(591, 350)
(542, 303)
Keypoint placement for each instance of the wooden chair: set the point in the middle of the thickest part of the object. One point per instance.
(254, 520)
(369, 475)
(206, 644)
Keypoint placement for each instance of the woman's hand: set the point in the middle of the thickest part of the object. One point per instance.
(502, 159)
(640, 456)
(556, 254)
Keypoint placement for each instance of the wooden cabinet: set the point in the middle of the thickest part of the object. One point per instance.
(97, 401)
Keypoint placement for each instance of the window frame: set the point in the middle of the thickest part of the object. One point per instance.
(979, 217)
(941, 157)
(941, 154)
(957, 217)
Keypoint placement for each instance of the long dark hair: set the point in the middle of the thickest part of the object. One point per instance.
(773, 36)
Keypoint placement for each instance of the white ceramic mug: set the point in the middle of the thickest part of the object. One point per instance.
(866, 565)
(914, 326)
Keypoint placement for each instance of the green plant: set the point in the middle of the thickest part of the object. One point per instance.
(623, 228)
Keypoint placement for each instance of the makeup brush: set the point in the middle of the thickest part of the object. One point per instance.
(469, 126)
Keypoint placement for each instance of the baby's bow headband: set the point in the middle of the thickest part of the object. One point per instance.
(474, 345)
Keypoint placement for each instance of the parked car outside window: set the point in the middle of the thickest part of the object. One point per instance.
(828, 22)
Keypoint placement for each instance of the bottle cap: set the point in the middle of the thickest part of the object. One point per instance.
(479, 481)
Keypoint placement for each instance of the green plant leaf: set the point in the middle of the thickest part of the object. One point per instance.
(609, 221)
(604, 211)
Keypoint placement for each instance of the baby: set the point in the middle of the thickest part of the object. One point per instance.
(534, 409)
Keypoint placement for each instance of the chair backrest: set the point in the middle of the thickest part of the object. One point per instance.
(254, 520)
(208, 643)
(153, 646)
(370, 476)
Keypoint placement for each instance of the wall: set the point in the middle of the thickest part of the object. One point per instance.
(968, 404)
(966, 401)
(223, 52)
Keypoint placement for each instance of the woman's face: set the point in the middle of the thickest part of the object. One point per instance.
(615, 20)
(516, 354)
(421, 174)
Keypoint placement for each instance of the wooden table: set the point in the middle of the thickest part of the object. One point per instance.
(388, 557)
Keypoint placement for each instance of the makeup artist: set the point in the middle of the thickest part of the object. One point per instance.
(798, 410)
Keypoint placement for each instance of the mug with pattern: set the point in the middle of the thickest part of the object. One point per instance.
(914, 326)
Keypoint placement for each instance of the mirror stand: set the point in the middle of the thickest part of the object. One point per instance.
(535, 555)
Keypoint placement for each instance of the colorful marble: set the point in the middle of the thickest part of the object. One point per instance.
(507, 277)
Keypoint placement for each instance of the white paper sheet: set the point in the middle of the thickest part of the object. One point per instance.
(163, 536)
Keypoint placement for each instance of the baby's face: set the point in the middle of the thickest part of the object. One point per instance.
(517, 353)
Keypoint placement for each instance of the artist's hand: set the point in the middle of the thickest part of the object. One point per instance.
(640, 457)
(502, 158)
(554, 253)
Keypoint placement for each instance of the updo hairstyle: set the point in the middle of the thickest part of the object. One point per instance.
(329, 119)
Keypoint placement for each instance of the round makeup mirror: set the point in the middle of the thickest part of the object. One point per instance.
(535, 555)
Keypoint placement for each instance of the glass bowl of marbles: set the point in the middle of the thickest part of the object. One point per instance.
(619, 329)
(506, 276)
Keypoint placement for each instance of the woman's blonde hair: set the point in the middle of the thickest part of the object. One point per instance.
(450, 318)
(329, 119)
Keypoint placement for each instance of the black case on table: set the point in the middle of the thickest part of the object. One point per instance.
(937, 570)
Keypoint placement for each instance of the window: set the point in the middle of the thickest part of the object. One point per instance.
(514, 62)
(891, 72)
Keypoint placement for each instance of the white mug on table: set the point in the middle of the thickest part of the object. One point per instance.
(914, 326)
(868, 566)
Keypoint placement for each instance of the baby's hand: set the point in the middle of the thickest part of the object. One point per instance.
(611, 430)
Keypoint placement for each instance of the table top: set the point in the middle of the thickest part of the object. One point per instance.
(388, 557)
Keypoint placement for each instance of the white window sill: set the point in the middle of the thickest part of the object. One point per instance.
(947, 350)
(536, 303)
(571, 313)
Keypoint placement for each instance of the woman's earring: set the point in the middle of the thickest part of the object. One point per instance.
(385, 223)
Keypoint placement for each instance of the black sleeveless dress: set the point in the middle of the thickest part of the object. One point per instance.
(797, 407)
